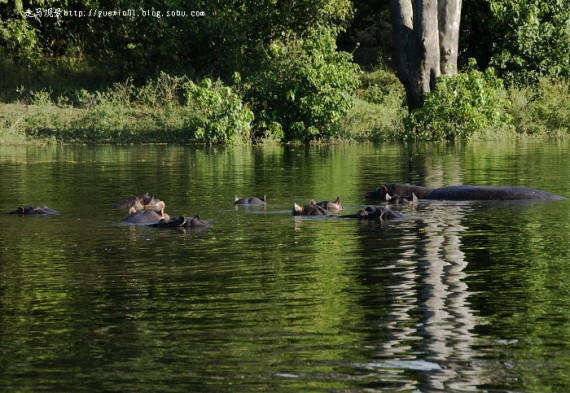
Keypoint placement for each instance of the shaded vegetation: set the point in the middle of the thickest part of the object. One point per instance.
(269, 71)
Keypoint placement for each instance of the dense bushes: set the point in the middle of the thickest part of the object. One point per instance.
(461, 107)
(531, 39)
(218, 114)
(304, 88)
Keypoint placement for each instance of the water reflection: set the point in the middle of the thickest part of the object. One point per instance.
(429, 321)
(264, 301)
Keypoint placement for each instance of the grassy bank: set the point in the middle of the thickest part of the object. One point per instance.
(166, 110)
(176, 110)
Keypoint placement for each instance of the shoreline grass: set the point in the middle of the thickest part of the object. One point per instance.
(175, 110)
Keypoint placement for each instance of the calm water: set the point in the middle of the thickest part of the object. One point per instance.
(455, 297)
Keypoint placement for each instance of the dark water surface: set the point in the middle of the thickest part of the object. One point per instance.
(455, 297)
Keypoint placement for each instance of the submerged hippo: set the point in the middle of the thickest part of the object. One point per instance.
(145, 217)
(31, 210)
(141, 202)
(375, 213)
(312, 209)
(463, 193)
(250, 201)
(333, 206)
(183, 223)
(402, 200)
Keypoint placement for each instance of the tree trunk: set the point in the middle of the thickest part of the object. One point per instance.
(426, 35)
(449, 15)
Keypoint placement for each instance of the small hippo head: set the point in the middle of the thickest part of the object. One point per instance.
(196, 223)
(154, 204)
(379, 194)
(297, 210)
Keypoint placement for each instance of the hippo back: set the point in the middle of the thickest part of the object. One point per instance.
(489, 193)
(250, 201)
(33, 210)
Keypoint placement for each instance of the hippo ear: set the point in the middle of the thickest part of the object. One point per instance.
(20, 210)
(132, 210)
(414, 199)
(384, 188)
(297, 209)
(197, 217)
(236, 198)
(337, 200)
(388, 196)
(312, 202)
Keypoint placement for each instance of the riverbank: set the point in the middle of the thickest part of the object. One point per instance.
(175, 110)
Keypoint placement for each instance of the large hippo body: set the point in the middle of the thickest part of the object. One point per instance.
(146, 217)
(33, 210)
(333, 206)
(463, 193)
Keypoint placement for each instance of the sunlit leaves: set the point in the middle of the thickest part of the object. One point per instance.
(461, 106)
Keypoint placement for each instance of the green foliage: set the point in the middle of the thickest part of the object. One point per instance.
(20, 39)
(305, 86)
(368, 121)
(381, 87)
(166, 109)
(522, 39)
(218, 114)
(470, 104)
(543, 109)
(379, 110)
(221, 41)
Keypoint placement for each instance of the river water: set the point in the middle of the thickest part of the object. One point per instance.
(454, 297)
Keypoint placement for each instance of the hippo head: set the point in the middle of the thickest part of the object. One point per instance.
(153, 204)
(297, 210)
(380, 194)
(197, 223)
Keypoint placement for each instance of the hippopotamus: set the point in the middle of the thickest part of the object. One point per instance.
(375, 213)
(32, 210)
(141, 202)
(402, 200)
(462, 193)
(250, 201)
(312, 209)
(182, 223)
(334, 206)
(145, 217)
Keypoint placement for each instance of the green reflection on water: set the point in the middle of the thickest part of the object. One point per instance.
(265, 301)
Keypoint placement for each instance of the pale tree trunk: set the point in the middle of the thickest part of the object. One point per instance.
(426, 35)
(449, 15)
